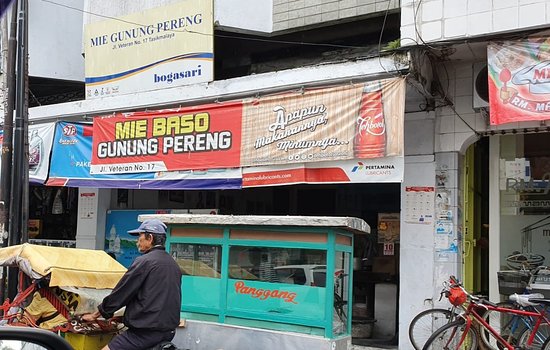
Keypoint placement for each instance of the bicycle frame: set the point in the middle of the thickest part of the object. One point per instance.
(471, 311)
(516, 321)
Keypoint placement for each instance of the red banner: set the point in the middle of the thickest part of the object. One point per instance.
(202, 137)
(519, 80)
(359, 121)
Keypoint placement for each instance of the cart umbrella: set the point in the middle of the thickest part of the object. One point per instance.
(74, 267)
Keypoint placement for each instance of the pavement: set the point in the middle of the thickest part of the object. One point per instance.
(372, 344)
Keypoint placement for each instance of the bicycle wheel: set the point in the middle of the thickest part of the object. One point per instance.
(543, 333)
(425, 323)
(546, 345)
(451, 337)
(505, 324)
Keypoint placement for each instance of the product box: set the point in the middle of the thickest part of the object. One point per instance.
(540, 283)
(35, 228)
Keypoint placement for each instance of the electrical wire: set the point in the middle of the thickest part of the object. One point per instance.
(303, 43)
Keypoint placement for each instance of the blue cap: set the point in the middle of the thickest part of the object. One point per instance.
(154, 226)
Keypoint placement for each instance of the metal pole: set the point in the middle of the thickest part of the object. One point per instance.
(7, 143)
(25, 107)
(19, 153)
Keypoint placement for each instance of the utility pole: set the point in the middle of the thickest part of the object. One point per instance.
(17, 227)
(7, 144)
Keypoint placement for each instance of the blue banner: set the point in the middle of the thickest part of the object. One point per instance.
(70, 166)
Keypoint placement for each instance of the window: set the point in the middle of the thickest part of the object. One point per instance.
(198, 259)
(341, 288)
(278, 265)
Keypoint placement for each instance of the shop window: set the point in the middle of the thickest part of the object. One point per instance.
(53, 215)
(198, 259)
(278, 265)
(524, 200)
(282, 282)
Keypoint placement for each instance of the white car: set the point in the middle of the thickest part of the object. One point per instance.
(309, 275)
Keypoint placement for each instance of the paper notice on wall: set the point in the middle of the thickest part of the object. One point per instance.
(389, 249)
(87, 205)
(515, 169)
(419, 204)
(442, 241)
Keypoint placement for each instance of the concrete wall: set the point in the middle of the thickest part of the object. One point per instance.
(289, 14)
(263, 16)
(243, 15)
(436, 20)
(416, 269)
(55, 39)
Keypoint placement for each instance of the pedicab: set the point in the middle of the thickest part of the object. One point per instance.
(56, 286)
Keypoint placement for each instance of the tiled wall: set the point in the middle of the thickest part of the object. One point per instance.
(290, 14)
(436, 20)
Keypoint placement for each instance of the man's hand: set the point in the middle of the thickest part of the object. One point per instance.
(91, 317)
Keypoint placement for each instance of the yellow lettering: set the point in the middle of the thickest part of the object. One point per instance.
(172, 125)
(131, 129)
(181, 124)
(187, 124)
(141, 128)
(159, 127)
(202, 122)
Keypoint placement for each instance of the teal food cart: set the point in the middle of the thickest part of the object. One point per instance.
(264, 282)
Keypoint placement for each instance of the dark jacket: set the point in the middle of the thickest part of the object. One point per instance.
(151, 292)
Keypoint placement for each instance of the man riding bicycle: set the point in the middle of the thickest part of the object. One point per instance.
(150, 290)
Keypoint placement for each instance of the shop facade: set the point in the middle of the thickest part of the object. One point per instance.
(101, 200)
(490, 170)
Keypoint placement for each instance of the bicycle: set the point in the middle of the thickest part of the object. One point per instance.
(516, 329)
(425, 323)
(460, 334)
(512, 327)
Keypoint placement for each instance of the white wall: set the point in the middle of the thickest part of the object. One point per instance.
(416, 270)
(222, 89)
(436, 20)
(55, 39)
(244, 15)
(92, 213)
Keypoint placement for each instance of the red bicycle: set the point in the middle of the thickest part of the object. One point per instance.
(460, 334)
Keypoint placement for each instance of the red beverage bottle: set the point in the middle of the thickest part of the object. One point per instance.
(370, 137)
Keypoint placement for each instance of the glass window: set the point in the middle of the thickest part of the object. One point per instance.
(278, 265)
(277, 281)
(341, 288)
(524, 200)
(198, 259)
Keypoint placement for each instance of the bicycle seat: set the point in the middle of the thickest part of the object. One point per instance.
(526, 299)
(540, 301)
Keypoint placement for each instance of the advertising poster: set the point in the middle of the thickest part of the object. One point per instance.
(345, 122)
(388, 228)
(163, 47)
(70, 166)
(40, 147)
(519, 80)
(376, 170)
(203, 137)
(118, 241)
